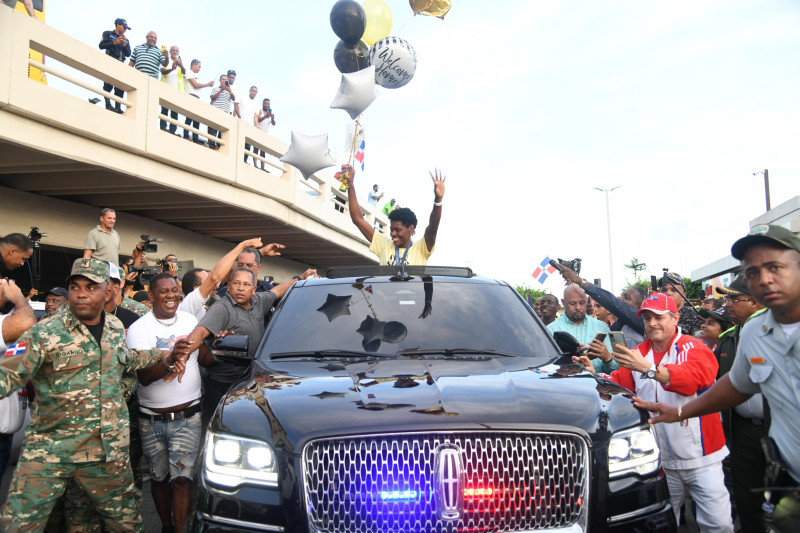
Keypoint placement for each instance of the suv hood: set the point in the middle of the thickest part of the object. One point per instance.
(296, 401)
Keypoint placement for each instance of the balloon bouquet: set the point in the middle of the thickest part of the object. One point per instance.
(365, 55)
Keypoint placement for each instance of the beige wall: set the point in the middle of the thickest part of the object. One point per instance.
(66, 224)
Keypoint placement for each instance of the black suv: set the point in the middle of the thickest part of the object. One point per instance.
(423, 400)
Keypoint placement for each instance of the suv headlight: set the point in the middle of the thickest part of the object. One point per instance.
(633, 450)
(232, 461)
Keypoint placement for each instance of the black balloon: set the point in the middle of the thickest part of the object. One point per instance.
(351, 57)
(348, 20)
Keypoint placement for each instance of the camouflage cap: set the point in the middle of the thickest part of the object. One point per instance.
(94, 269)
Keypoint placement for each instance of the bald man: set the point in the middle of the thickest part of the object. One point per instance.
(584, 328)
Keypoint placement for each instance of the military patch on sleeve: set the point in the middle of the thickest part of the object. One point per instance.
(757, 360)
(15, 349)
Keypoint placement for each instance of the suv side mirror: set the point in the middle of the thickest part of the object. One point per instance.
(232, 349)
(566, 342)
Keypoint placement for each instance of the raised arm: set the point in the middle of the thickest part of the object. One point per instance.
(625, 313)
(21, 318)
(223, 266)
(280, 290)
(355, 210)
(436, 212)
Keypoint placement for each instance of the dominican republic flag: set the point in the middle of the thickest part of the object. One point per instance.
(360, 155)
(15, 349)
(543, 270)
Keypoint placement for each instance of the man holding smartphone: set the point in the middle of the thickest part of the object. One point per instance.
(221, 99)
(675, 369)
(585, 329)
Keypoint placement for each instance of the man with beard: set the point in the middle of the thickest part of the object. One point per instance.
(169, 408)
(584, 328)
(80, 431)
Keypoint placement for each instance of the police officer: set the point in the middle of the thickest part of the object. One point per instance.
(767, 358)
(80, 425)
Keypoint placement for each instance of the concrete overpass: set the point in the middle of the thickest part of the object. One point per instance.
(62, 158)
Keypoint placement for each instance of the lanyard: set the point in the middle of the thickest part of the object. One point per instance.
(397, 260)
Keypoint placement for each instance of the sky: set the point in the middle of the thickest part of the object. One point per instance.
(527, 107)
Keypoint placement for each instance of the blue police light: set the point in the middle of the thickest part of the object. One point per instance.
(398, 495)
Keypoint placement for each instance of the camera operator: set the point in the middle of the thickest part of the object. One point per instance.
(169, 264)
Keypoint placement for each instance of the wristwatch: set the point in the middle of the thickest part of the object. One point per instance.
(584, 283)
(169, 367)
(651, 372)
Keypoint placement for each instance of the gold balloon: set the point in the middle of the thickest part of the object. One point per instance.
(434, 8)
(379, 20)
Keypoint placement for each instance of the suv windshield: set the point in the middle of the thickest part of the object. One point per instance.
(386, 317)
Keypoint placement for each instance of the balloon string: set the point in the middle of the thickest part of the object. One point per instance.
(353, 143)
(404, 23)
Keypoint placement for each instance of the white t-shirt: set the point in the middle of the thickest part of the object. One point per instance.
(194, 303)
(247, 108)
(264, 124)
(148, 332)
(189, 88)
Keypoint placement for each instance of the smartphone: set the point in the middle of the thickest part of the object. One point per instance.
(600, 336)
(617, 337)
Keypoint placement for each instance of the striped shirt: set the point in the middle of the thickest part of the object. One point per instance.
(223, 101)
(147, 59)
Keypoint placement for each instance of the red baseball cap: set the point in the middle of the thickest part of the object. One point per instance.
(659, 304)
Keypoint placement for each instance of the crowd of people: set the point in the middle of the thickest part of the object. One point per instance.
(168, 66)
(718, 377)
(160, 381)
(719, 381)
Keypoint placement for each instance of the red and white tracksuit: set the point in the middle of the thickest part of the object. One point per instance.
(692, 450)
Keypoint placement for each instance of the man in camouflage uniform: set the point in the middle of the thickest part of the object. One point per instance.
(80, 425)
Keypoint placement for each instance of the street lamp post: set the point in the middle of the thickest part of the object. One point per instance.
(608, 221)
(766, 184)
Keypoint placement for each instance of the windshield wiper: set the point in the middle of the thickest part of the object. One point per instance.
(328, 353)
(457, 351)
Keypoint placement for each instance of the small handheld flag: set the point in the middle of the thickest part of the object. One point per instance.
(543, 270)
(360, 155)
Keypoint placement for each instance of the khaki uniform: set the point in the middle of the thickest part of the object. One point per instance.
(79, 426)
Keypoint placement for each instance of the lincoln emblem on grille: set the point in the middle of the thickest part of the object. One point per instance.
(449, 472)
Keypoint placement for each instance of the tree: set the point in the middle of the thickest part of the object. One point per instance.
(694, 289)
(535, 293)
(636, 266)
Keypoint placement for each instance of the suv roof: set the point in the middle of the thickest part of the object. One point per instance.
(399, 271)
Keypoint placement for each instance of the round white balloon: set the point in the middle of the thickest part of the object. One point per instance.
(394, 60)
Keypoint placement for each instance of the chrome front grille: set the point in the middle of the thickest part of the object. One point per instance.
(405, 482)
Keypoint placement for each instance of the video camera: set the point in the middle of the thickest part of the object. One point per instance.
(574, 265)
(145, 273)
(148, 244)
(35, 235)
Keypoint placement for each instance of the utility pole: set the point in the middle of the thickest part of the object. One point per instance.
(766, 185)
(608, 221)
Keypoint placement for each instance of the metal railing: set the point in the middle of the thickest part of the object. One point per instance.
(137, 128)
